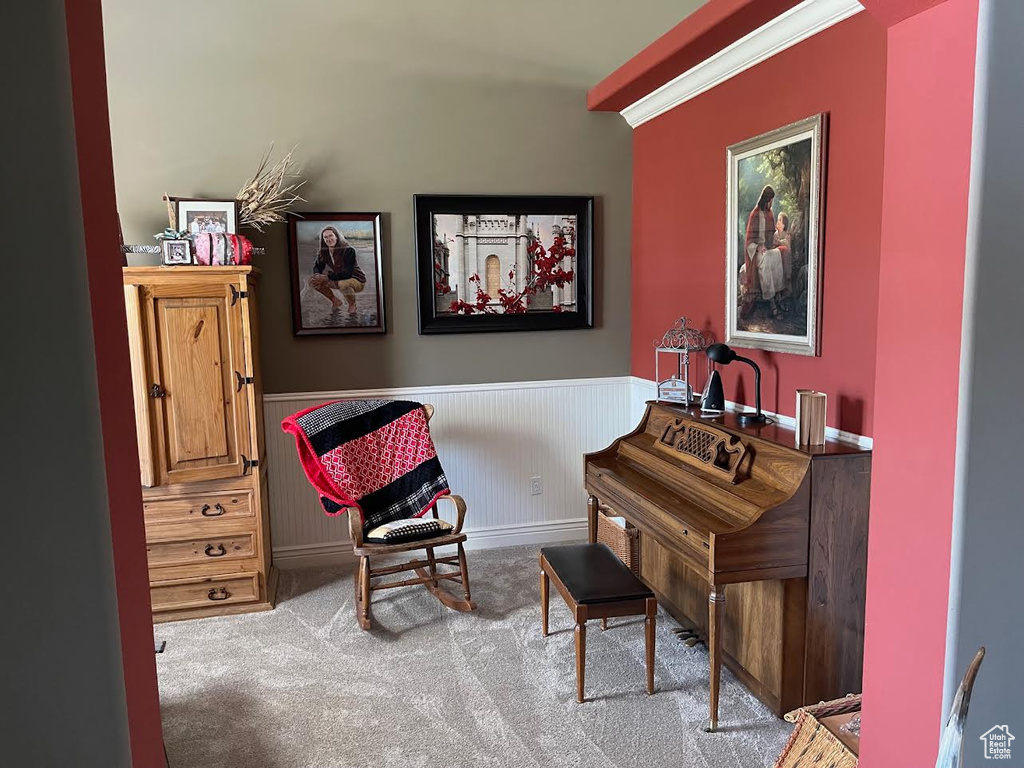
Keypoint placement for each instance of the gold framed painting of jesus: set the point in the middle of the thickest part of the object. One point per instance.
(775, 209)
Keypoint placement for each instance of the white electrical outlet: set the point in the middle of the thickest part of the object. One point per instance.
(536, 487)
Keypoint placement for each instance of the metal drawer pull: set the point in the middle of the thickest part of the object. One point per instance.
(205, 511)
(211, 551)
(218, 594)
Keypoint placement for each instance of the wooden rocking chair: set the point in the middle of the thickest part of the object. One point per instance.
(426, 570)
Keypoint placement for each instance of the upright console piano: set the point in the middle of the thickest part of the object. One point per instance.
(744, 512)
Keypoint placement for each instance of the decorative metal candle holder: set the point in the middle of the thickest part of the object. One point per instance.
(679, 340)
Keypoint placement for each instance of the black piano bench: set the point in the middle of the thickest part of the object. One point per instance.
(595, 584)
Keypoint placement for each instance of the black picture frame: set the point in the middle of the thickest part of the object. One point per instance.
(299, 277)
(425, 207)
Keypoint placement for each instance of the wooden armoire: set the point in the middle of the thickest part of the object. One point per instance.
(194, 339)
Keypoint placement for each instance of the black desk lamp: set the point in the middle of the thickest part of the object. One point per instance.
(723, 355)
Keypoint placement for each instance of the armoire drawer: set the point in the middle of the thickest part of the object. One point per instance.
(202, 549)
(199, 508)
(213, 591)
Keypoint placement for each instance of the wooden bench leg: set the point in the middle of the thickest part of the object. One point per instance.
(543, 603)
(604, 624)
(716, 609)
(649, 627)
(581, 657)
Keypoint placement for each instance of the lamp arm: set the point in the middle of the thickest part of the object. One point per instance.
(757, 380)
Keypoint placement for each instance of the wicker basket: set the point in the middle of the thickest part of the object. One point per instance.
(624, 542)
(812, 744)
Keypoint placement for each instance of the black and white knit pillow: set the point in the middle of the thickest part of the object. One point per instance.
(412, 529)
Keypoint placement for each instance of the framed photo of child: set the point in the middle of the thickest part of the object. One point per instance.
(337, 283)
(774, 240)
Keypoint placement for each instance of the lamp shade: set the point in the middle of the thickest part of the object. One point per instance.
(721, 353)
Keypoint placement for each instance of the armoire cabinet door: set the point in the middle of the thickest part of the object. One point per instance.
(198, 387)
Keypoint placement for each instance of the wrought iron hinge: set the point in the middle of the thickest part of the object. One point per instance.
(242, 381)
(237, 294)
(248, 464)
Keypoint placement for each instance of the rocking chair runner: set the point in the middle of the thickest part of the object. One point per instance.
(426, 569)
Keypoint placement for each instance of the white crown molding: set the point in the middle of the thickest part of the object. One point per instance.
(646, 389)
(795, 25)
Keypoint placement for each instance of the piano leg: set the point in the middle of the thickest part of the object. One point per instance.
(649, 631)
(592, 512)
(716, 610)
(543, 603)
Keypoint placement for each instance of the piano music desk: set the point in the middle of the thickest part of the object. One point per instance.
(723, 508)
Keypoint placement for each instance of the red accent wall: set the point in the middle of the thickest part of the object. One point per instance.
(113, 371)
(679, 215)
(929, 113)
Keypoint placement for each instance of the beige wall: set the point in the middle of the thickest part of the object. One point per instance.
(385, 99)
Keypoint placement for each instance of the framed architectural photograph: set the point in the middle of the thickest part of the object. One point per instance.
(337, 282)
(206, 216)
(486, 264)
(775, 211)
(176, 252)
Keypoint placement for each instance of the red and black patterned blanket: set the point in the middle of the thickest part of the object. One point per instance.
(372, 455)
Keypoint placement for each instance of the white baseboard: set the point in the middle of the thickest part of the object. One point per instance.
(339, 553)
(327, 555)
(549, 532)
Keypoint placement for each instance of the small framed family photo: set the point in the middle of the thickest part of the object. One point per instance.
(176, 252)
(337, 283)
(773, 248)
(199, 217)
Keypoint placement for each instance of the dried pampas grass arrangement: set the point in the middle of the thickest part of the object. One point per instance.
(266, 197)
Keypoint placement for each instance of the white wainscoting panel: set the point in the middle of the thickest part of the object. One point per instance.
(491, 438)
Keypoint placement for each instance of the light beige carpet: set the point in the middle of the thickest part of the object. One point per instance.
(303, 687)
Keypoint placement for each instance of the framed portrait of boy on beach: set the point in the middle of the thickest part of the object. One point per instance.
(775, 208)
(337, 284)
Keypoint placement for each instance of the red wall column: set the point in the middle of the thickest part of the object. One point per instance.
(929, 113)
(99, 212)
